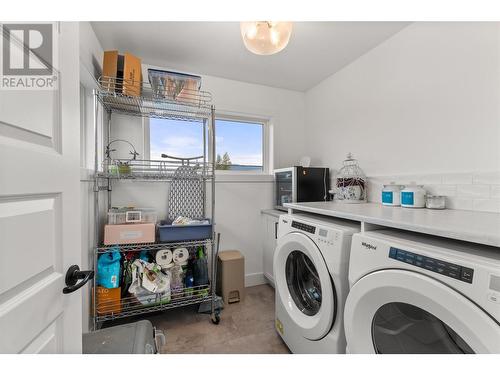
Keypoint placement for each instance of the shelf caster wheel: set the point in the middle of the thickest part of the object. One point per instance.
(215, 317)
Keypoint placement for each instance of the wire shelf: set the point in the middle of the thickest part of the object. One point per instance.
(153, 246)
(159, 170)
(142, 99)
(147, 303)
(167, 102)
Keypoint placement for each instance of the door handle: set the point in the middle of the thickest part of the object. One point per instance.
(73, 275)
(275, 230)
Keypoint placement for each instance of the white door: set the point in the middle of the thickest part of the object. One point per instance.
(39, 210)
(304, 285)
(404, 312)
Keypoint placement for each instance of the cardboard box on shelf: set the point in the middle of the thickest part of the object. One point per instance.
(122, 73)
(121, 234)
(131, 75)
(108, 300)
(109, 70)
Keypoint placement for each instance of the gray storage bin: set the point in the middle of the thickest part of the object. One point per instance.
(134, 338)
(174, 233)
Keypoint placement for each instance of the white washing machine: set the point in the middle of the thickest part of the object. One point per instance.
(413, 293)
(310, 274)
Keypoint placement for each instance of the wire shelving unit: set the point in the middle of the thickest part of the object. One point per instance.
(146, 101)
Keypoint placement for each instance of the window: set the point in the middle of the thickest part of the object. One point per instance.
(175, 138)
(239, 146)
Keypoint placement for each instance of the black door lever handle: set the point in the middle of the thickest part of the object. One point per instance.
(73, 275)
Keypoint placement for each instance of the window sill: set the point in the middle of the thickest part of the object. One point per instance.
(243, 177)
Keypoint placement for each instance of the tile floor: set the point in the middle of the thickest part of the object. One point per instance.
(246, 327)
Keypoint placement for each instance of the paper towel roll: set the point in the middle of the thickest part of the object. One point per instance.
(164, 257)
(181, 255)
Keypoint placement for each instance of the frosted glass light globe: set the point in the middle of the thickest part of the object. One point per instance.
(265, 37)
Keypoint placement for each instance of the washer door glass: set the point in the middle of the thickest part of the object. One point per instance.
(303, 282)
(400, 328)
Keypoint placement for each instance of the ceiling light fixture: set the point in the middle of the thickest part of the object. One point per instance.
(265, 37)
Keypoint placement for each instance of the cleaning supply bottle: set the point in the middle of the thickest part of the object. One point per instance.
(200, 268)
(189, 282)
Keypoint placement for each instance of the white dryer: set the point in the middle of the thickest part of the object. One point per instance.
(310, 270)
(413, 293)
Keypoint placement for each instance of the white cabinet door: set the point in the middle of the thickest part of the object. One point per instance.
(270, 237)
(39, 210)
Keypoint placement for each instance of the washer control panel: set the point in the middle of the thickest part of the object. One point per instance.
(431, 264)
(304, 227)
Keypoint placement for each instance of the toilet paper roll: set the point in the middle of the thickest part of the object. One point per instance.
(181, 255)
(164, 257)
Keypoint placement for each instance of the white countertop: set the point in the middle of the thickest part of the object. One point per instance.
(472, 226)
(272, 212)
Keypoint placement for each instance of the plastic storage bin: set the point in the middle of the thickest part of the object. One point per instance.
(174, 233)
(132, 215)
(173, 85)
(133, 338)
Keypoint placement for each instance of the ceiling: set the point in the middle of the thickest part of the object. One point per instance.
(316, 49)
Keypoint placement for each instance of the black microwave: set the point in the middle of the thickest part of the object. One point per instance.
(301, 184)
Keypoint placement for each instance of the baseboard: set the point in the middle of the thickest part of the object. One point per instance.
(253, 279)
(269, 280)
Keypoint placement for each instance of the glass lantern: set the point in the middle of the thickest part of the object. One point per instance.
(351, 182)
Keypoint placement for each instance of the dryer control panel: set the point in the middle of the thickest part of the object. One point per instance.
(431, 264)
(303, 226)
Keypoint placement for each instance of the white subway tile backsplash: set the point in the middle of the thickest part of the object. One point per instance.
(430, 179)
(459, 203)
(479, 191)
(473, 191)
(457, 178)
(446, 190)
(432, 189)
(495, 192)
(487, 178)
(374, 190)
(408, 179)
(489, 205)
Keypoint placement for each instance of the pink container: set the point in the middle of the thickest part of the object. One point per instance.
(121, 234)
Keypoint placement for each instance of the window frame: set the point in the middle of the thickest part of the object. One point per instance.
(228, 116)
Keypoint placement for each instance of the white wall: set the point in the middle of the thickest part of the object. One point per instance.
(425, 101)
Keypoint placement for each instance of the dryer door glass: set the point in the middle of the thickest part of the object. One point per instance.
(401, 328)
(303, 282)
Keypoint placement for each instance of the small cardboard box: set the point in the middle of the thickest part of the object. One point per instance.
(109, 70)
(131, 75)
(122, 73)
(108, 300)
(122, 234)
